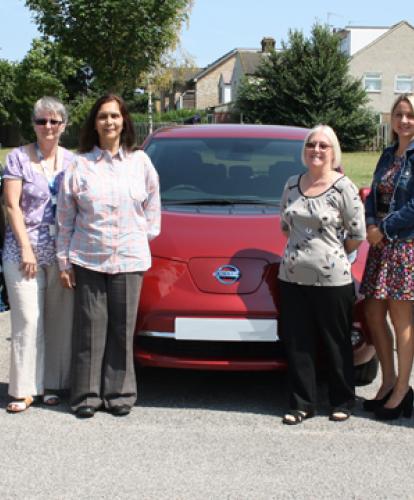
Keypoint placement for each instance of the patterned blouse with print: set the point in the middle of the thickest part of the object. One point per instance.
(317, 227)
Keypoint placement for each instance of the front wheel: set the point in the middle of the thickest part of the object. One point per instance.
(366, 373)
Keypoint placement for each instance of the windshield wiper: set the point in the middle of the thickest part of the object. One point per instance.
(222, 201)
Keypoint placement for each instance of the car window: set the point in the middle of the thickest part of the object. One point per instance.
(224, 168)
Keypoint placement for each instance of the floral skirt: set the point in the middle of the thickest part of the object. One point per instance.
(389, 271)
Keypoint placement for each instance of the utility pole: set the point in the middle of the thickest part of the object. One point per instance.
(150, 111)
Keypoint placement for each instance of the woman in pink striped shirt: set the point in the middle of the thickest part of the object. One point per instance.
(108, 210)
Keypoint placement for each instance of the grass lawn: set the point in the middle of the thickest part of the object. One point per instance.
(358, 166)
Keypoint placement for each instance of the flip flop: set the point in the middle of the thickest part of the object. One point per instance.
(51, 399)
(19, 405)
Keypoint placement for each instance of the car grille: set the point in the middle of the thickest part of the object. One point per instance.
(205, 350)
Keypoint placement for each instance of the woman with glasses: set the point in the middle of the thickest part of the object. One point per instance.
(323, 218)
(108, 211)
(388, 282)
(41, 309)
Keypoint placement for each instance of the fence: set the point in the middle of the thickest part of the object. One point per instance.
(142, 129)
(70, 138)
(381, 139)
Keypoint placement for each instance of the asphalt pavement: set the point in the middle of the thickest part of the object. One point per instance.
(201, 435)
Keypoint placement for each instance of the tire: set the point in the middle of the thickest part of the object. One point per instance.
(366, 373)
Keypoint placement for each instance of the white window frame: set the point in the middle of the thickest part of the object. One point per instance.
(374, 77)
(403, 79)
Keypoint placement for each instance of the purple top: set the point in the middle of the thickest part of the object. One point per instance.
(36, 205)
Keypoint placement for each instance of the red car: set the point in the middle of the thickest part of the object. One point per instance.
(210, 300)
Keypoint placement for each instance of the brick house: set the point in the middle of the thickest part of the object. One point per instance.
(382, 57)
(215, 85)
(209, 83)
(178, 94)
(247, 64)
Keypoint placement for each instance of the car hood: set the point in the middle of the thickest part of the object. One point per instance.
(187, 236)
(225, 254)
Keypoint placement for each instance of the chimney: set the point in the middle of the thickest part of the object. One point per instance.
(268, 44)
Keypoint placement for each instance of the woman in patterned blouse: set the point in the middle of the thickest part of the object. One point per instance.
(109, 209)
(323, 218)
(388, 282)
(41, 310)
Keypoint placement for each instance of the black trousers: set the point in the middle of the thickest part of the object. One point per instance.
(102, 351)
(311, 316)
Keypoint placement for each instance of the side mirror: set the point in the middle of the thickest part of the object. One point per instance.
(364, 192)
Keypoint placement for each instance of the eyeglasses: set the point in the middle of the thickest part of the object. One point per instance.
(322, 145)
(44, 121)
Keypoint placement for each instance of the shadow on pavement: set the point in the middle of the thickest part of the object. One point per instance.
(255, 392)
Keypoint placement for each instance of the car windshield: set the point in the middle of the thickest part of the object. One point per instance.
(224, 170)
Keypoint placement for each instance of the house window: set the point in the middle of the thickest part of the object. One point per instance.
(372, 82)
(404, 84)
(221, 97)
(224, 93)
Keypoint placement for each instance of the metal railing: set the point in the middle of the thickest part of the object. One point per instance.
(142, 129)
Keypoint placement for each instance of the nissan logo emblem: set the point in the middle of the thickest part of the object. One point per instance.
(228, 274)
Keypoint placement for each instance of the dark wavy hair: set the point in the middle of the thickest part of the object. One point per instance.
(89, 136)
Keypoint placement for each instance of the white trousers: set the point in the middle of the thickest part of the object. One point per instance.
(41, 331)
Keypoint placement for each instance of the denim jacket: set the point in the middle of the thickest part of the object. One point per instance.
(399, 222)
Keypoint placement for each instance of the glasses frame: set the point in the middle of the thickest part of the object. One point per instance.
(44, 121)
(323, 146)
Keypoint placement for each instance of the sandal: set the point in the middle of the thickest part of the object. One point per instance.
(51, 399)
(19, 405)
(296, 417)
(339, 415)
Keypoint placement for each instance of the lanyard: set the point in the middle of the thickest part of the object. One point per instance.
(50, 176)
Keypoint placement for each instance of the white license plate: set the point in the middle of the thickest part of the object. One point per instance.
(215, 329)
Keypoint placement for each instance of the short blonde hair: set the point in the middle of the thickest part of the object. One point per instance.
(401, 98)
(333, 139)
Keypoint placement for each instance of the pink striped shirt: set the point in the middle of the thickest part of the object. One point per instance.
(108, 210)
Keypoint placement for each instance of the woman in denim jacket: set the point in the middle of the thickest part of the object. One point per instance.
(388, 282)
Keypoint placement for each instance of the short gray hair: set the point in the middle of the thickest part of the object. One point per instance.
(50, 105)
(330, 134)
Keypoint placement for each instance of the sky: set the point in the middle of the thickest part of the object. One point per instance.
(218, 26)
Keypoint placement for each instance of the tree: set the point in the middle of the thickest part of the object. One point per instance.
(120, 40)
(45, 70)
(307, 83)
(7, 83)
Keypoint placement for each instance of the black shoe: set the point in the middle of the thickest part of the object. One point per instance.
(85, 412)
(405, 408)
(296, 417)
(120, 410)
(339, 414)
(373, 404)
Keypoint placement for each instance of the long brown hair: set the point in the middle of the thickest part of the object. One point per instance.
(89, 136)
(402, 98)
